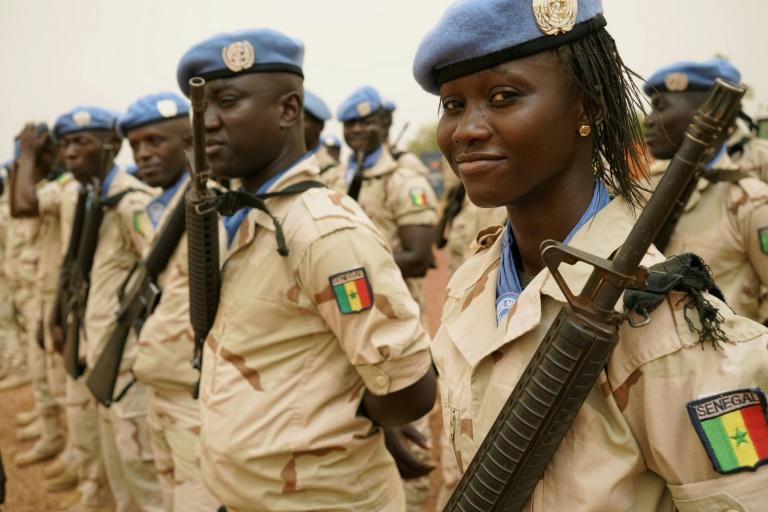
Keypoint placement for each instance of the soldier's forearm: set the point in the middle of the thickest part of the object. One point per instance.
(404, 406)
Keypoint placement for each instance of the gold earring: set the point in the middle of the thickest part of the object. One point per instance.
(585, 130)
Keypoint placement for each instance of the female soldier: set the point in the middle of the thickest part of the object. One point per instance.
(538, 116)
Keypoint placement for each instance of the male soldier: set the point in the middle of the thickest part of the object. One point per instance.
(332, 145)
(402, 204)
(726, 218)
(157, 127)
(316, 113)
(403, 158)
(13, 371)
(36, 175)
(123, 235)
(310, 350)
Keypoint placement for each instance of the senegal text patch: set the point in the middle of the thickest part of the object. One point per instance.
(352, 291)
(733, 428)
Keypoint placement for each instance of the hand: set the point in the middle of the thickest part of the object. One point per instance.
(31, 140)
(408, 464)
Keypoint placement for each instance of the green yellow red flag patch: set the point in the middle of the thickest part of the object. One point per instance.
(733, 428)
(418, 196)
(352, 291)
(762, 236)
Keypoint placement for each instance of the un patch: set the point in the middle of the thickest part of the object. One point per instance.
(352, 291)
(762, 237)
(733, 428)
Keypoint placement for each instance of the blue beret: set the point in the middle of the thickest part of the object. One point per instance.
(361, 103)
(389, 105)
(152, 109)
(81, 119)
(330, 140)
(474, 35)
(690, 76)
(316, 107)
(260, 50)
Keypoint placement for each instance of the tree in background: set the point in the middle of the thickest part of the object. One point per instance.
(425, 140)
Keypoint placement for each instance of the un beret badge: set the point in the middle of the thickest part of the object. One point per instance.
(238, 56)
(676, 82)
(81, 118)
(167, 108)
(363, 108)
(555, 16)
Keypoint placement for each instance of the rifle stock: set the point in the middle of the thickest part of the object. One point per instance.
(202, 233)
(566, 365)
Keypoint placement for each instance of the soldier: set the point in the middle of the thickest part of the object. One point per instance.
(538, 115)
(316, 113)
(36, 174)
(90, 140)
(747, 151)
(332, 145)
(403, 158)
(399, 200)
(158, 130)
(726, 218)
(310, 350)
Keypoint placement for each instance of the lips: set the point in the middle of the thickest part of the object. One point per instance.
(213, 146)
(471, 163)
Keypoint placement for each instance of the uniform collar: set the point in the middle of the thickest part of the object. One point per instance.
(108, 179)
(156, 207)
(474, 286)
(306, 168)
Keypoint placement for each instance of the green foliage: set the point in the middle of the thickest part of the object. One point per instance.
(424, 141)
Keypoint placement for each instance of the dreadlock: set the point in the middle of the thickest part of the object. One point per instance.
(613, 100)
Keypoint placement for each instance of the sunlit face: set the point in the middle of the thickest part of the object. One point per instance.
(158, 150)
(507, 130)
(365, 133)
(84, 153)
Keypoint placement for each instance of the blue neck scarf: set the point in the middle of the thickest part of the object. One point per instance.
(232, 223)
(508, 287)
(369, 161)
(156, 207)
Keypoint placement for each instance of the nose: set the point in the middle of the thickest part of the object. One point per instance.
(212, 119)
(141, 153)
(71, 152)
(472, 127)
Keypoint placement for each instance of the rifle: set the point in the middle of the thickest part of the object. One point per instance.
(567, 364)
(59, 314)
(80, 281)
(396, 153)
(135, 306)
(202, 233)
(452, 210)
(357, 180)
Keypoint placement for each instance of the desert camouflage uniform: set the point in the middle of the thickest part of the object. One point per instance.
(331, 172)
(752, 155)
(284, 371)
(412, 162)
(470, 221)
(632, 446)
(12, 356)
(726, 223)
(124, 434)
(163, 364)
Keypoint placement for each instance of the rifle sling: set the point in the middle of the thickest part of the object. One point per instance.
(230, 202)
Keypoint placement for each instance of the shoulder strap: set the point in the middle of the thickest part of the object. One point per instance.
(230, 202)
(114, 200)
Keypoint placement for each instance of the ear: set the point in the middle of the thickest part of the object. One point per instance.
(291, 109)
(592, 110)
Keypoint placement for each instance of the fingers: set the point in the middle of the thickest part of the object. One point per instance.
(413, 435)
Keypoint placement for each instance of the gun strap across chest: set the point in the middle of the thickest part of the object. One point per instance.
(230, 202)
(167, 240)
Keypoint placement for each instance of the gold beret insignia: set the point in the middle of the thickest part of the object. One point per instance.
(167, 108)
(82, 118)
(238, 56)
(363, 108)
(676, 82)
(555, 16)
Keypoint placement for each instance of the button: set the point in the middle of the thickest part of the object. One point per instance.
(382, 381)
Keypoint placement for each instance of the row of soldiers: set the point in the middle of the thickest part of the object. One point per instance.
(313, 344)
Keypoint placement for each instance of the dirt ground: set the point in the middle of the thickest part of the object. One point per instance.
(25, 488)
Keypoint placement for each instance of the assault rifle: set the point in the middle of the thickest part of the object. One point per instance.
(202, 233)
(58, 319)
(136, 305)
(566, 365)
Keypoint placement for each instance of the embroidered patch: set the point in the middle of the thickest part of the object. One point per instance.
(762, 236)
(676, 82)
(733, 428)
(418, 196)
(238, 56)
(363, 108)
(137, 223)
(167, 108)
(352, 291)
(555, 16)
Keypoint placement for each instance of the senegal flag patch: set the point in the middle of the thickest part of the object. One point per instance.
(733, 428)
(418, 196)
(762, 236)
(352, 291)
(137, 223)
